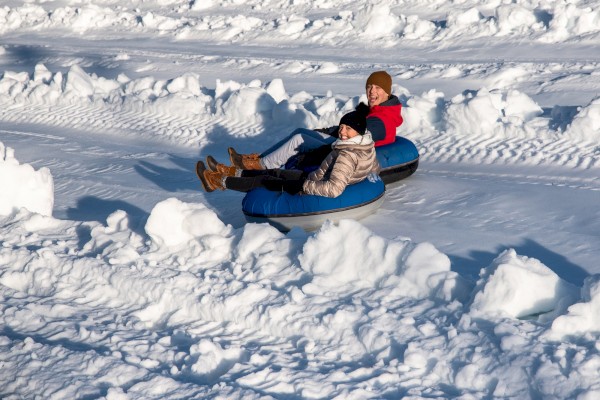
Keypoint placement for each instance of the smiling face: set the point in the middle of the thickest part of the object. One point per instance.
(376, 95)
(346, 132)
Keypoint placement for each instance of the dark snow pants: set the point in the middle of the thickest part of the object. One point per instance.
(288, 180)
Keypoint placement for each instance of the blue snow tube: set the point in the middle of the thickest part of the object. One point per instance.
(398, 160)
(285, 211)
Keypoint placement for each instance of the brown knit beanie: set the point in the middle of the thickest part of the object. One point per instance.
(381, 79)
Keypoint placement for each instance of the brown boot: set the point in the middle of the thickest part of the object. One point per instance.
(210, 180)
(244, 161)
(214, 165)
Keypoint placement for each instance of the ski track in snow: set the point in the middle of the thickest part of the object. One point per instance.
(192, 131)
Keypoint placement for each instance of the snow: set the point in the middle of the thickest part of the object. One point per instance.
(24, 187)
(518, 286)
(120, 279)
(586, 125)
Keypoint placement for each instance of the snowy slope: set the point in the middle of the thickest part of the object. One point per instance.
(121, 279)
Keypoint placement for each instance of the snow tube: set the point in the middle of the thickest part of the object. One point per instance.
(398, 160)
(285, 211)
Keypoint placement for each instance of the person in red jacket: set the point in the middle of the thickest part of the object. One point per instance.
(385, 108)
(383, 117)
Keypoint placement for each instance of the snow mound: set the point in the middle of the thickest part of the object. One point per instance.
(115, 242)
(348, 255)
(492, 113)
(377, 21)
(24, 187)
(581, 318)
(571, 20)
(173, 223)
(517, 286)
(425, 112)
(586, 124)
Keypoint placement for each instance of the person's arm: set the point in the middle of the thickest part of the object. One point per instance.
(343, 168)
(319, 173)
(376, 128)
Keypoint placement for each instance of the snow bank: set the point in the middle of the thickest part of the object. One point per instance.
(183, 96)
(424, 113)
(516, 18)
(24, 187)
(335, 22)
(517, 286)
(264, 109)
(115, 242)
(377, 21)
(495, 113)
(193, 300)
(189, 307)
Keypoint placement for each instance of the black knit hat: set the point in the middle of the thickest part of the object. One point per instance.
(356, 121)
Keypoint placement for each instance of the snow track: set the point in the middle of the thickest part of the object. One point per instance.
(147, 119)
(105, 119)
(523, 151)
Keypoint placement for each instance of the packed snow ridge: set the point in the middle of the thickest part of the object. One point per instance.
(545, 22)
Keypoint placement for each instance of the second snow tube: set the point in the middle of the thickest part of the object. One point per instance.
(398, 160)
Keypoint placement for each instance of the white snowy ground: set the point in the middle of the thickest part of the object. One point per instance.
(120, 279)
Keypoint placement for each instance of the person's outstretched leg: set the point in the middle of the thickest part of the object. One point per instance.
(300, 140)
(303, 140)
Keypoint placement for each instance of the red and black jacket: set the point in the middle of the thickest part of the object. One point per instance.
(383, 120)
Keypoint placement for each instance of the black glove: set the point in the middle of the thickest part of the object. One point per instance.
(313, 158)
(293, 187)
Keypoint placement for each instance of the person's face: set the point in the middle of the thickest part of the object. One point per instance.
(346, 132)
(376, 95)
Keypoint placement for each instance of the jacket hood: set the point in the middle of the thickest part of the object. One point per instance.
(392, 101)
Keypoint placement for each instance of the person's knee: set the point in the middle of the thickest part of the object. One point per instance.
(296, 139)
